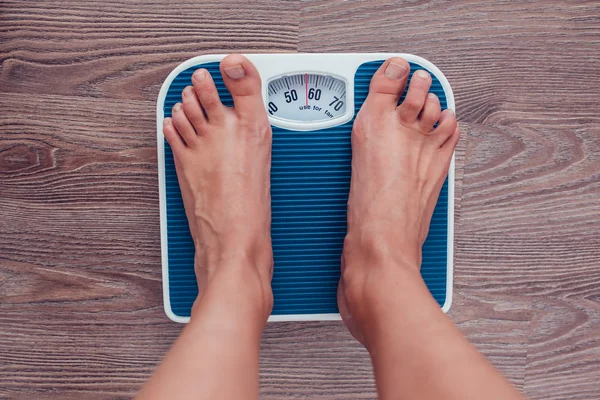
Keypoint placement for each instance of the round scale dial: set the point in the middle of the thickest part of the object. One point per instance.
(306, 97)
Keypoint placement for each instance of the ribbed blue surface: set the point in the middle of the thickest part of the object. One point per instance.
(310, 179)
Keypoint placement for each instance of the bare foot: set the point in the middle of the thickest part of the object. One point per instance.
(399, 164)
(223, 159)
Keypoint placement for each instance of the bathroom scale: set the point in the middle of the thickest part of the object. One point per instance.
(311, 101)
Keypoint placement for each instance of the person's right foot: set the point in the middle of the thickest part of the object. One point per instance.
(399, 164)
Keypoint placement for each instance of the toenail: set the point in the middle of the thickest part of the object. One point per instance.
(422, 74)
(395, 71)
(235, 72)
(177, 107)
(186, 91)
(432, 96)
(167, 121)
(199, 74)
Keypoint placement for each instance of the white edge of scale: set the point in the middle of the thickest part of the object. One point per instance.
(342, 65)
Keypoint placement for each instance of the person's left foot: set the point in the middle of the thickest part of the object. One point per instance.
(223, 159)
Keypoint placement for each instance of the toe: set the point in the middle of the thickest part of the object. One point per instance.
(193, 110)
(414, 101)
(450, 144)
(430, 114)
(388, 82)
(446, 127)
(207, 93)
(243, 82)
(172, 136)
(184, 126)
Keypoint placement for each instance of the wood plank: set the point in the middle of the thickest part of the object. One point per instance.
(529, 217)
(498, 326)
(80, 284)
(564, 350)
(124, 50)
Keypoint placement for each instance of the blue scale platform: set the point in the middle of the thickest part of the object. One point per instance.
(310, 180)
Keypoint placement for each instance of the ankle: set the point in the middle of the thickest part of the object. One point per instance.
(374, 272)
(371, 278)
(381, 249)
(239, 289)
(379, 297)
(235, 297)
(255, 250)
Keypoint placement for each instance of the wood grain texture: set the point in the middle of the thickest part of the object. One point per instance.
(124, 49)
(80, 287)
(564, 350)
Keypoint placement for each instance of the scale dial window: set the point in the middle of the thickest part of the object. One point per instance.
(306, 98)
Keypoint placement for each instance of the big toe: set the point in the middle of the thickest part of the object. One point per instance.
(388, 83)
(243, 82)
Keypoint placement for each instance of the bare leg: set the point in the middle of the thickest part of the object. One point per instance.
(399, 165)
(222, 161)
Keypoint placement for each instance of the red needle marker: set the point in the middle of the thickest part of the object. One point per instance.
(306, 80)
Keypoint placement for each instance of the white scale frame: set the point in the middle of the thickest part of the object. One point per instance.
(271, 66)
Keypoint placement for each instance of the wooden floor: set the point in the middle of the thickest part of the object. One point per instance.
(80, 286)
